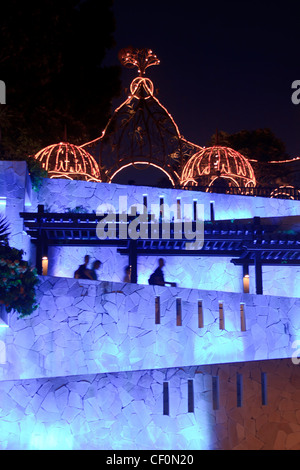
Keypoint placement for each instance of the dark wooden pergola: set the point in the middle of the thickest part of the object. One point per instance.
(257, 241)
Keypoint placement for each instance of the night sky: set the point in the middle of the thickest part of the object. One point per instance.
(226, 66)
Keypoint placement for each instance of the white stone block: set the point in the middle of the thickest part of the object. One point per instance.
(25, 338)
(61, 397)
(47, 303)
(75, 400)
(64, 301)
(49, 403)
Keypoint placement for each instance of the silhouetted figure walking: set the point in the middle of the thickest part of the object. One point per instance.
(83, 272)
(157, 277)
(127, 277)
(93, 271)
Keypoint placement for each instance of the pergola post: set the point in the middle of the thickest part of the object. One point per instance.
(40, 244)
(258, 274)
(133, 260)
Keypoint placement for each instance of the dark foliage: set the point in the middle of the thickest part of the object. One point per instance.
(51, 61)
(259, 144)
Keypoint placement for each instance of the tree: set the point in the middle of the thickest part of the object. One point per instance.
(51, 61)
(259, 144)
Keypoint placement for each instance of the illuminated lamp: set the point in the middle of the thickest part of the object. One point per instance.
(246, 284)
(45, 265)
(65, 160)
(209, 165)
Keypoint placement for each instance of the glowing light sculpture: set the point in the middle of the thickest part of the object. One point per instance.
(141, 132)
(218, 165)
(65, 160)
(284, 192)
(141, 58)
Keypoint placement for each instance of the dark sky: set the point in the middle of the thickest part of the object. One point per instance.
(226, 65)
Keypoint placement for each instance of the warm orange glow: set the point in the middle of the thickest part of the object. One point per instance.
(278, 161)
(139, 82)
(68, 161)
(140, 58)
(218, 162)
(246, 284)
(169, 158)
(45, 265)
(284, 191)
(230, 178)
(145, 164)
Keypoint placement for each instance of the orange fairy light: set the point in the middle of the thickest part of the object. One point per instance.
(65, 160)
(284, 191)
(140, 58)
(211, 164)
(141, 132)
(143, 163)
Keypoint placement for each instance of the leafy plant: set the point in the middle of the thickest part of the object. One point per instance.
(36, 172)
(17, 280)
(77, 210)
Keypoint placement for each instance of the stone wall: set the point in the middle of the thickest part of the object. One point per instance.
(15, 197)
(124, 411)
(89, 327)
(197, 272)
(207, 273)
(61, 194)
(89, 368)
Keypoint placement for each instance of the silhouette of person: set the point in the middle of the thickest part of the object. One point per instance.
(127, 277)
(157, 277)
(83, 272)
(96, 265)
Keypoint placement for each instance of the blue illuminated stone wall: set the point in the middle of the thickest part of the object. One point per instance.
(89, 327)
(59, 194)
(199, 273)
(124, 410)
(15, 197)
(206, 273)
(89, 368)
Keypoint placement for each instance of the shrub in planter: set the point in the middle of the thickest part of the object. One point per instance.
(17, 282)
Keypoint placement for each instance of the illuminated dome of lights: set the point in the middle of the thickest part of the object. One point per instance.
(285, 192)
(65, 160)
(218, 165)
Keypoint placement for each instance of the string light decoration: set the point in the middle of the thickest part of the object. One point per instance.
(151, 164)
(141, 131)
(141, 88)
(65, 160)
(218, 165)
(285, 192)
(140, 58)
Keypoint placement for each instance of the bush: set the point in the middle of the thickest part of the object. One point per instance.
(17, 282)
(36, 172)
